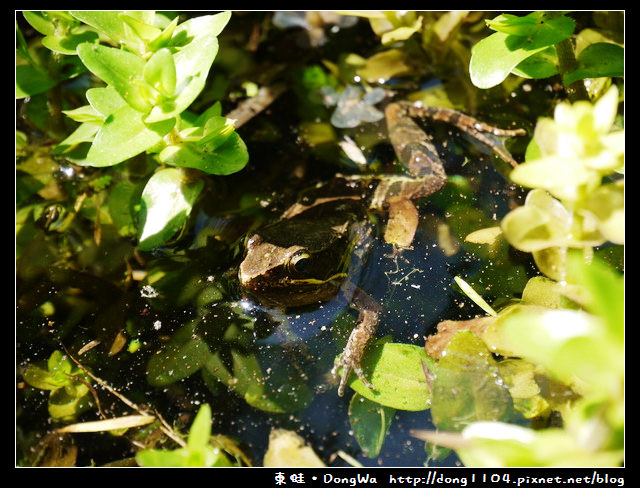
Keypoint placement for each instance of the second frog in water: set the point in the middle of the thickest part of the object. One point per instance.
(308, 256)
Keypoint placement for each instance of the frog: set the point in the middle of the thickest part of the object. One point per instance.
(308, 256)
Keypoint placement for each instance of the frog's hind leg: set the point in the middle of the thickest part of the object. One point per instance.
(414, 149)
(472, 126)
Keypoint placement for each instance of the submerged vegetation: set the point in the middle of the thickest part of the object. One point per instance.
(148, 144)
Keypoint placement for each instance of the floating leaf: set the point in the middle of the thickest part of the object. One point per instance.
(468, 386)
(183, 356)
(370, 422)
(397, 373)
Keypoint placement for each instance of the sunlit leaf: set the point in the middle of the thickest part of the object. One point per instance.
(192, 61)
(493, 444)
(571, 344)
(198, 452)
(118, 423)
(474, 295)
(468, 386)
(124, 135)
(108, 22)
(518, 38)
(288, 449)
(167, 200)
(160, 72)
(116, 68)
(540, 223)
(397, 373)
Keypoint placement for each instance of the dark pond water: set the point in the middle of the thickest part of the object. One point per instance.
(73, 288)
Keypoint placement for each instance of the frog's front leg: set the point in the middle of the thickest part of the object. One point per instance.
(366, 325)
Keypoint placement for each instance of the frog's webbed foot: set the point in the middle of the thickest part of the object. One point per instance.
(364, 330)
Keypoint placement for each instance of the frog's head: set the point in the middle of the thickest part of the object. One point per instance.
(292, 276)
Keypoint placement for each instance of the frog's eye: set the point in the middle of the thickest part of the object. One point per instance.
(299, 262)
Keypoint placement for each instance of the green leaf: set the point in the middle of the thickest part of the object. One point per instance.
(573, 346)
(397, 373)
(31, 81)
(495, 56)
(539, 28)
(198, 453)
(370, 422)
(541, 223)
(124, 135)
(543, 291)
(65, 405)
(491, 444)
(69, 43)
(214, 148)
(200, 431)
(605, 293)
(183, 356)
(84, 133)
(167, 200)
(192, 61)
(107, 22)
(606, 205)
(41, 21)
(492, 60)
(86, 113)
(280, 391)
(43, 379)
(163, 39)
(160, 72)
(540, 65)
(598, 60)
(62, 33)
(105, 100)
(517, 26)
(140, 28)
(120, 69)
(286, 448)
(468, 386)
(158, 458)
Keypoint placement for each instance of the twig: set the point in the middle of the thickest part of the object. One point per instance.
(164, 426)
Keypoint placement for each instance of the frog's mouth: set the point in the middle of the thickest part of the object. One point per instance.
(316, 281)
(300, 292)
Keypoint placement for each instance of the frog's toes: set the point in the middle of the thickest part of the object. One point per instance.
(349, 364)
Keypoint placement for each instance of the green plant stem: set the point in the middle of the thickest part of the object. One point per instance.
(568, 63)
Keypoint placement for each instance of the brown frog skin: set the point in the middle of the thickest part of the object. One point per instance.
(304, 258)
